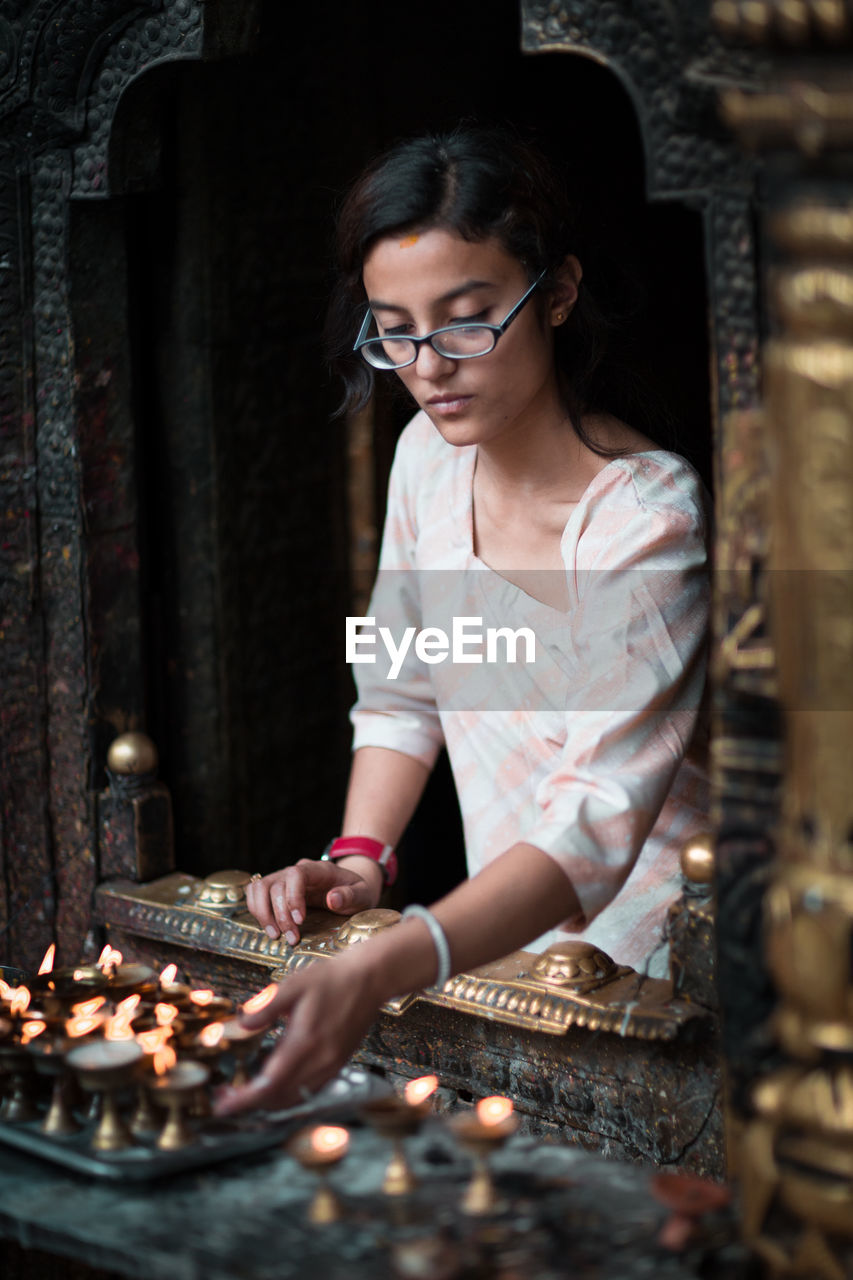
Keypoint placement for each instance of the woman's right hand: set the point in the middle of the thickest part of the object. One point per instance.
(278, 901)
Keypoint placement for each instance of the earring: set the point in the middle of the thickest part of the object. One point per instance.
(560, 317)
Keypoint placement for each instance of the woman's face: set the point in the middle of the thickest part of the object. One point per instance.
(417, 282)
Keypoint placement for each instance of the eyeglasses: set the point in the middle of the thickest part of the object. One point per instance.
(454, 341)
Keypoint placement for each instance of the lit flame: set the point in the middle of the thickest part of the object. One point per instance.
(118, 1028)
(211, 1034)
(86, 1008)
(46, 965)
(19, 1000)
(82, 1026)
(169, 974)
(5, 989)
(327, 1138)
(127, 1007)
(30, 1030)
(164, 1059)
(204, 996)
(261, 1000)
(165, 1013)
(79, 975)
(108, 958)
(494, 1110)
(419, 1090)
(151, 1041)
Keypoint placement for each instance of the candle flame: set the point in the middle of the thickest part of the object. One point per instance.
(87, 1007)
(211, 1034)
(165, 1013)
(30, 1030)
(75, 1027)
(202, 996)
(118, 1028)
(327, 1138)
(46, 965)
(5, 989)
(151, 1041)
(419, 1090)
(19, 1001)
(261, 1000)
(169, 974)
(164, 1059)
(494, 1110)
(127, 1007)
(108, 958)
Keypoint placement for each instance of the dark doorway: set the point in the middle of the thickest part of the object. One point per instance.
(243, 528)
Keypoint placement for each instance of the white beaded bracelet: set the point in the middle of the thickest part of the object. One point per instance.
(439, 937)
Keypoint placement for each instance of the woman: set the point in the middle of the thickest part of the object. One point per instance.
(574, 780)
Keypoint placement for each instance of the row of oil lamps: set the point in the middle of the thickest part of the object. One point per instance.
(111, 1025)
(480, 1132)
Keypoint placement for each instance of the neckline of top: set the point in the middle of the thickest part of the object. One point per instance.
(593, 484)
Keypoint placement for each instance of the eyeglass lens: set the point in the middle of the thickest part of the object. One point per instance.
(458, 343)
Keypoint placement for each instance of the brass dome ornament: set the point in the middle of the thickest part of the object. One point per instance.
(364, 925)
(132, 754)
(223, 891)
(574, 964)
(697, 859)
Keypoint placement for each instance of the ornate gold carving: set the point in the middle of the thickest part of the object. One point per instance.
(223, 891)
(132, 753)
(576, 965)
(744, 653)
(807, 228)
(697, 859)
(793, 22)
(798, 1153)
(802, 115)
(816, 299)
(549, 993)
(364, 925)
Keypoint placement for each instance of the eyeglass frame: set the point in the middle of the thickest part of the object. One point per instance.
(497, 329)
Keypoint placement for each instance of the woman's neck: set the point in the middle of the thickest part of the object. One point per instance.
(544, 457)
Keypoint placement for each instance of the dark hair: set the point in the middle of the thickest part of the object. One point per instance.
(478, 182)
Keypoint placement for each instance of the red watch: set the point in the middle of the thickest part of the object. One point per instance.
(384, 854)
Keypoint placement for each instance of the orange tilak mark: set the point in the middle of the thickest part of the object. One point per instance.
(408, 241)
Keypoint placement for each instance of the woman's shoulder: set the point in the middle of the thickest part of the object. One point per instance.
(654, 479)
(648, 503)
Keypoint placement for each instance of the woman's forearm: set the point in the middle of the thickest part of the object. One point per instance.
(384, 789)
(519, 896)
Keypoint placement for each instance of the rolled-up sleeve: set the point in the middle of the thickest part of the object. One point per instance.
(399, 714)
(635, 670)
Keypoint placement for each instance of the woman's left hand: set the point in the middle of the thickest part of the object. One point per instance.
(329, 1007)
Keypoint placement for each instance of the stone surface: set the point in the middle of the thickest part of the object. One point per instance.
(568, 1213)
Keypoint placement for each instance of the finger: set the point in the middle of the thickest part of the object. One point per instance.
(285, 997)
(279, 894)
(345, 899)
(294, 882)
(277, 1084)
(258, 902)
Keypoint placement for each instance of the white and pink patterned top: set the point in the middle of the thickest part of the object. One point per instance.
(584, 752)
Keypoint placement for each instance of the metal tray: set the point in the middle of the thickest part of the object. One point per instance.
(216, 1139)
